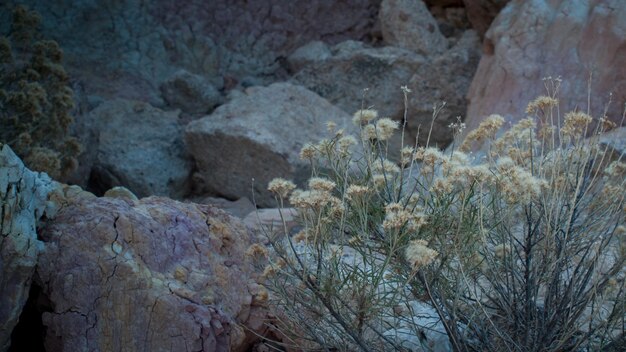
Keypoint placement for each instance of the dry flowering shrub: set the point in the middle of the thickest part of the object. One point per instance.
(523, 249)
(35, 98)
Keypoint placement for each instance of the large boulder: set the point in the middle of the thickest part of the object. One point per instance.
(125, 49)
(23, 199)
(408, 24)
(148, 275)
(137, 146)
(257, 137)
(530, 40)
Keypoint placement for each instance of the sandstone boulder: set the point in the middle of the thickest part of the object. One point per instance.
(23, 195)
(258, 137)
(151, 274)
(408, 24)
(530, 40)
(139, 147)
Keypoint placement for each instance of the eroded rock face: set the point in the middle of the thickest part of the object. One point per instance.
(530, 40)
(258, 136)
(408, 24)
(136, 45)
(23, 198)
(139, 147)
(148, 275)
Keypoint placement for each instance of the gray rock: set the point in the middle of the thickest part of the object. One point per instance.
(139, 147)
(125, 49)
(23, 199)
(408, 24)
(191, 93)
(258, 136)
(312, 52)
(353, 67)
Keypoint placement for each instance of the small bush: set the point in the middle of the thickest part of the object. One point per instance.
(520, 247)
(35, 98)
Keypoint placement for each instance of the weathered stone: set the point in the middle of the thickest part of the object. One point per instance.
(530, 40)
(408, 24)
(23, 200)
(258, 137)
(353, 67)
(312, 52)
(139, 147)
(191, 93)
(153, 274)
(125, 49)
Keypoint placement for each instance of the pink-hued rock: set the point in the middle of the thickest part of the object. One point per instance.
(530, 40)
(148, 275)
(408, 24)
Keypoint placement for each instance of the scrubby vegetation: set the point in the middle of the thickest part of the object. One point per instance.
(513, 241)
(35, 98)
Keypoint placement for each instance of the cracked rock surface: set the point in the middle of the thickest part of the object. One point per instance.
(147, 275)
(23, 195)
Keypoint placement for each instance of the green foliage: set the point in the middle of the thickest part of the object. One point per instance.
(521, 247)
(35, 98)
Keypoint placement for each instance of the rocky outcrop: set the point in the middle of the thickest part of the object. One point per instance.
(354, 66)
(152, 274)
(136, 146)
(135, 45)
(23, 200)
(530, 40)
(408, 24)
(256, 137)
